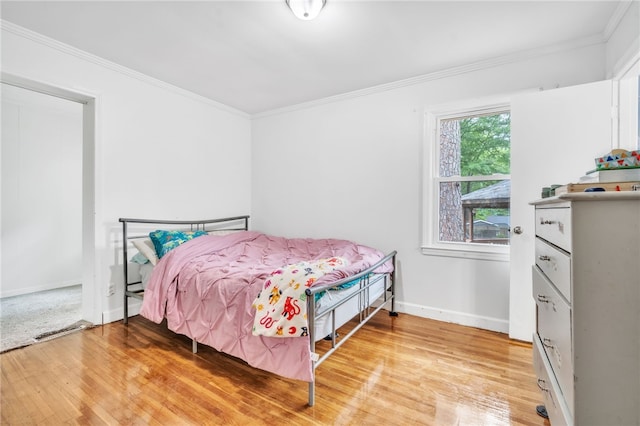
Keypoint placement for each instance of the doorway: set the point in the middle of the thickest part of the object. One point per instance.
(41, 192)
(91, 304)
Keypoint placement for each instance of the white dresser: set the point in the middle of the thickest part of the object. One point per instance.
(586, 285)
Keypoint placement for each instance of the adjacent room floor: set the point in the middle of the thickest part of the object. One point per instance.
(35, 317)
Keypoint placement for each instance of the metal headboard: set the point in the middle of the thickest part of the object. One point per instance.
(133, 289)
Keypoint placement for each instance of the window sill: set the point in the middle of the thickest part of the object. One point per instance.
(497, 254)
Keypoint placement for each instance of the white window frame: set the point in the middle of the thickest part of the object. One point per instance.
(431, 182)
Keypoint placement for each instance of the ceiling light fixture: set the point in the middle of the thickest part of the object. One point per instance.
(306, 9)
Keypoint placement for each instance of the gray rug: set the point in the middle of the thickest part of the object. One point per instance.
(38, 317)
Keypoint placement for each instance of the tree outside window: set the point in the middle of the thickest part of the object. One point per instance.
(473, 178)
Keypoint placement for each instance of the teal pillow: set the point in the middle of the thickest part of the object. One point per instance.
(139, 258)
(165, 241)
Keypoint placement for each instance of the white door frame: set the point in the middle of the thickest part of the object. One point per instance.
(91, 300)
(628, 125)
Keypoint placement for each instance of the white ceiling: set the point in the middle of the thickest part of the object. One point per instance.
(256, 56)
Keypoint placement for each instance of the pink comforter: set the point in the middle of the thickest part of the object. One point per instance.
(205, 289)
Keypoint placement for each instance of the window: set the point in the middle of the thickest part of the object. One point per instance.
(467, 182)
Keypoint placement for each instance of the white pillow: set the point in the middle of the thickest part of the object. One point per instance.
(223, 232)
(145, 246)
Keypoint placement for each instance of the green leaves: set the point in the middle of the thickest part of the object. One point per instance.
(485, 145)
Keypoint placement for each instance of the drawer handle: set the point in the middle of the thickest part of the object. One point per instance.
(544, 258)
(542, 385)
(547, 222)
(543, 299)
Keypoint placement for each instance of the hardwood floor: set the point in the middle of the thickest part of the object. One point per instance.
(394, 371)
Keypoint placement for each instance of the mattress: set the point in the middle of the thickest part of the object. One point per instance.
(345, 312)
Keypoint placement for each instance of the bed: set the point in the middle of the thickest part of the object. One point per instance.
(264, 299)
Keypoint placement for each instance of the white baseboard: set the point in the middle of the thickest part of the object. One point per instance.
(486, 323)
(37, 288)
(118, 314)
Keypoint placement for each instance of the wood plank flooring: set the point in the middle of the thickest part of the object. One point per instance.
(394, 371)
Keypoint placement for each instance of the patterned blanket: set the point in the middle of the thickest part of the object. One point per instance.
(281, 305)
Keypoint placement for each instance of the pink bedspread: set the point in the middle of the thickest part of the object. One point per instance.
(205, 289)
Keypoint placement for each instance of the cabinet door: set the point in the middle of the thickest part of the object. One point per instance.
(555, 136)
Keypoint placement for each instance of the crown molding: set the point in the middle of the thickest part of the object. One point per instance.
(628, 61)
(446, 73)
(616, 18)
(81, 54)
(436, 75)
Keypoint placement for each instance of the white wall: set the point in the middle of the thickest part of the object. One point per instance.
(312, 171)
(160, 152)
(351, 168)
(41, 192)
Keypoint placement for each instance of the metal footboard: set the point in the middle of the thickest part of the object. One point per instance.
(366, 310)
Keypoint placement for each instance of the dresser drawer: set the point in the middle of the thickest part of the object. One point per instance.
(554, 225)
(554, 403)
(556, 265)
(554, 330)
